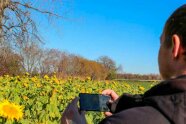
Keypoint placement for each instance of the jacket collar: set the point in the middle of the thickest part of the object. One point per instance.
(172, 86)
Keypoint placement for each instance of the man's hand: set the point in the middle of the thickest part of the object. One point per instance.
(72, 115)
(113, 96)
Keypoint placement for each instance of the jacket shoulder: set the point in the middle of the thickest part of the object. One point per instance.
(137, 115)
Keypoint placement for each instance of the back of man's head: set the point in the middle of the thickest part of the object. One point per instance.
(176, 24)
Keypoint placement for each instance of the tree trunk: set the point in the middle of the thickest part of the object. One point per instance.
(3, 5)
(1, 19)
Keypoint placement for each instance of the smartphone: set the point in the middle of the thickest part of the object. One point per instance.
(94, 102)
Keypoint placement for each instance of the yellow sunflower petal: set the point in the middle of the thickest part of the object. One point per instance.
(10, 110)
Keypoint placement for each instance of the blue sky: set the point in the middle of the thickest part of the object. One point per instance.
(126, 31)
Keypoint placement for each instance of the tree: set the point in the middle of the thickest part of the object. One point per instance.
(120, 69)
(73, 65)
(30, 57)
(18, 29)
(110, 66)
(16, 23)
(49, 61)
(10, 62)
(98, 71)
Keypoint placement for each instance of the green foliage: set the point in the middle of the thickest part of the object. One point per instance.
(44, 99)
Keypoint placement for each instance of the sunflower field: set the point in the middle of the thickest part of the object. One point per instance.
(28, 100)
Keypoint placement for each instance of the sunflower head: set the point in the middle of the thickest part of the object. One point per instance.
(10, 110)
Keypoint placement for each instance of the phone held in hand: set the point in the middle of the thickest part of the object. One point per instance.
(94, 102)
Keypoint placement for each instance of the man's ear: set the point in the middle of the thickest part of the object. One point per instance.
(176, 46)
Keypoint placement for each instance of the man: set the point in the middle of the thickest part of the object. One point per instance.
(162, 104)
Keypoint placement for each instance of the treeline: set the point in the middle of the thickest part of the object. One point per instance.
(138, 76)
(35, 60)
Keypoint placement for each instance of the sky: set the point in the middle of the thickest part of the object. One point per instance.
(126, 31)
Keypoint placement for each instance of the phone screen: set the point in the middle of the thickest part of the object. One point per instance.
(94, 102)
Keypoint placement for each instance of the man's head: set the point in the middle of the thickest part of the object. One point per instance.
(172, 53)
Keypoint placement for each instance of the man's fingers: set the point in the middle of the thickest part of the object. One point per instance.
(107, 114)
(107, 92)
(111, 93)
(110, 101)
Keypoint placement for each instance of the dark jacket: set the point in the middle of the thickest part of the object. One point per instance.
(163, 104)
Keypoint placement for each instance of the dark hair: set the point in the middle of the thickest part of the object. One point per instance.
(176, 24)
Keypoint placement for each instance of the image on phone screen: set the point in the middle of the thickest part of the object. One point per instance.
(94, 102)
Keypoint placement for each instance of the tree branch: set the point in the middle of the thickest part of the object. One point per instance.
(36, 9)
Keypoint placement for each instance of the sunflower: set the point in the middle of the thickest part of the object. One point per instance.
(10, 110)
(141, 88)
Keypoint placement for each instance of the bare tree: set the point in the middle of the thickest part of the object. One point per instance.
(70, 64)
(110, 66)
(10, 62)
(19, 32)
(120, 69)
(16, 23)
(49, 61)
(30, 56)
